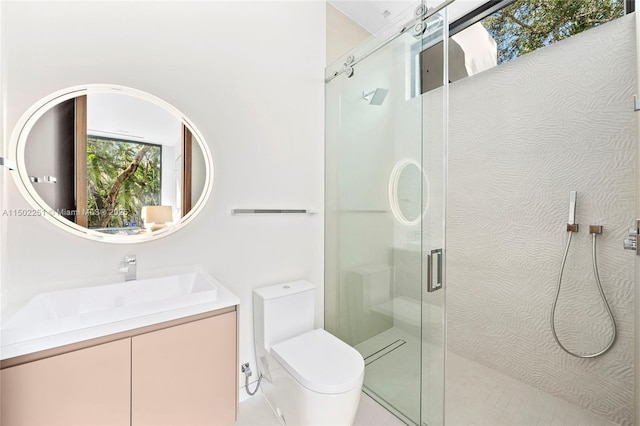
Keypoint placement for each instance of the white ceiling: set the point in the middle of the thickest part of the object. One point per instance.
(371, 15)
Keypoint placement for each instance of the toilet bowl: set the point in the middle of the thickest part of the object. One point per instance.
(310, 377)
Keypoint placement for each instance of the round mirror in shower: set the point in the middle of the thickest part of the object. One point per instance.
(111, 163)
(408, 192)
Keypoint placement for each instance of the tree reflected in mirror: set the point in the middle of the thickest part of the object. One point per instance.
(122, 177)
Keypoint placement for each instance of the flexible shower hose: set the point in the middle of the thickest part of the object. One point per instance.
(246, 384)
(604, 299)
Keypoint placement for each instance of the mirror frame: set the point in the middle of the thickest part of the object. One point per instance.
(394, 180)
(30, 117)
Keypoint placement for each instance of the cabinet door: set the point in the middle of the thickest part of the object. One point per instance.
(88, 387)
(186, 375)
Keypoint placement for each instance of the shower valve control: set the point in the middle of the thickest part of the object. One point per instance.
(631, 242)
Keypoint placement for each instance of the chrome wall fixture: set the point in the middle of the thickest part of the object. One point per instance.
(43, 179)
(270, 211)
(10, 164)
(129, 267)
(594, 230)
(631, 242)
(636, 103)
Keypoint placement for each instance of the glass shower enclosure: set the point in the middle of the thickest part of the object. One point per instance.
(525, 141)
(385, 156)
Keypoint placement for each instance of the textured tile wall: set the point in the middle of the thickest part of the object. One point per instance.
(523, 135)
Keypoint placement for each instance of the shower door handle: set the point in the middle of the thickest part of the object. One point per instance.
(434, 284)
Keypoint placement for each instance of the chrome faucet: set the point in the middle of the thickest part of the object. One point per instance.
(129, 268)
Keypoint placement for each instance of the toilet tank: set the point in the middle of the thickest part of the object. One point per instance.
(282, 311)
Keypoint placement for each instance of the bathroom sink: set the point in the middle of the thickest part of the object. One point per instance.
(57, 312)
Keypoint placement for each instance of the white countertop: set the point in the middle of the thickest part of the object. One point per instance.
(223, 300)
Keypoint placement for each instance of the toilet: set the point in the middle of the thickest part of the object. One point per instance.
(310, 377)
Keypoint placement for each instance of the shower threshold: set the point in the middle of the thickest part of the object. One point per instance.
(384, 351)
(393, 367)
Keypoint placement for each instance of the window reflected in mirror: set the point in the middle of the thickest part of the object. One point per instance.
(100, 159)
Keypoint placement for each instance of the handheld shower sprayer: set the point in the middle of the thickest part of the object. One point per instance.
(572, 226)
(573, 196)
(594, 230)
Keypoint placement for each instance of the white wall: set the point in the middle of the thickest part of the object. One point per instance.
(5, 174)
(522, 135)
(248, 74)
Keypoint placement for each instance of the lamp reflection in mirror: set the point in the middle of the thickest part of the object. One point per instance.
(156, 217)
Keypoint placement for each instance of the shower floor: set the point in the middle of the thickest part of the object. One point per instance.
(478, 395)
(475, 394)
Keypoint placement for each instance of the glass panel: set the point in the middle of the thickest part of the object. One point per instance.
(516, 140)
(434, 144)
(381, 205)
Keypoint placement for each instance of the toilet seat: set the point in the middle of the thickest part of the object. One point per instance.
(321, 362)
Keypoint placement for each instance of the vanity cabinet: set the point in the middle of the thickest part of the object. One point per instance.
(181, 375)
(86, 387)
(182, 372)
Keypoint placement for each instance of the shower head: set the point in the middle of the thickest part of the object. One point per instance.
(376, 97)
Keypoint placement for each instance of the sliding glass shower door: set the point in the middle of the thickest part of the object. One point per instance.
(385, 151)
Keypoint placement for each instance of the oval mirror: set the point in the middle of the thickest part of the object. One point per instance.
(407, 192)
(111, 163)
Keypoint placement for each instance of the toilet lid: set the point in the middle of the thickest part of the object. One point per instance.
(321, 362)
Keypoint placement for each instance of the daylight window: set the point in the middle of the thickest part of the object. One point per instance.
(514, 30)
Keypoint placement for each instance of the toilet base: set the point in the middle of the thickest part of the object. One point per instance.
(296, 405)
